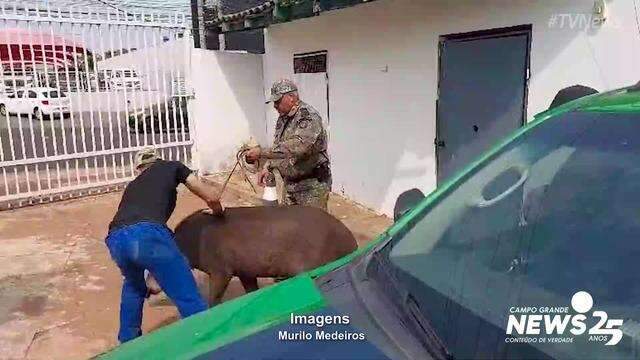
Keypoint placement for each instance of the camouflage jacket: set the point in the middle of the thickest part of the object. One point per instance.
(300, 144)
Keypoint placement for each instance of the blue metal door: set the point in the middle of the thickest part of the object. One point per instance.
(482, 93)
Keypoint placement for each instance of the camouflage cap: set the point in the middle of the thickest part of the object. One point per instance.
(281, 87)
(146, 156)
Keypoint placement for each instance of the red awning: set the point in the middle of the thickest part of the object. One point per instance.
(20, 48)
(23, 36)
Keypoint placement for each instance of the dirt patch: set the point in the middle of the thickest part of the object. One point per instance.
(60, 290)
(32, 305)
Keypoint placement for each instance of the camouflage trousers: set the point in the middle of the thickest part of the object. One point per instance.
(310, 192)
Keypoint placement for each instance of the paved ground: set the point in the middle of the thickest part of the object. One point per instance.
(59, 290)
(99, 122)
(26, 138)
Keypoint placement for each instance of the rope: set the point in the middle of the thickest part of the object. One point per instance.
(224, 186)
(245, 167)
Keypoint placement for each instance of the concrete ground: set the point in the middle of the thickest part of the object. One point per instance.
(59, 289)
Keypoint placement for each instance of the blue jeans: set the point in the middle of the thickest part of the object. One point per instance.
(150, 246)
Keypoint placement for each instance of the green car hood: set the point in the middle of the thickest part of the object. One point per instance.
(225, 323)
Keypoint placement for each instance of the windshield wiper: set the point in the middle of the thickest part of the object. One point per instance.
(433, 343)
(411, 310)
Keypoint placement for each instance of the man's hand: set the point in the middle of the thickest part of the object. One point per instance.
(252, 155)
(205, 192)
(262, 176)
(215, 207)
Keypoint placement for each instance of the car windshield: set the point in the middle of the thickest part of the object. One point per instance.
(54, 94)
(555, 212)
(14, 83)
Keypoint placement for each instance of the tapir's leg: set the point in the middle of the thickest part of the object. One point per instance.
(218, 282)
(249, 283)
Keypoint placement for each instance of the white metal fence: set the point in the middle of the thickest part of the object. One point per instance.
(81, 92)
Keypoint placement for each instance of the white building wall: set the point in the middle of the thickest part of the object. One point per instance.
(227, 107)
(383, 61)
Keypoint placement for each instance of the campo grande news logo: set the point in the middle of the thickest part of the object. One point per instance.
(555, 321)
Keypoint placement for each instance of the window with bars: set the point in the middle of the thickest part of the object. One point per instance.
(310, 63)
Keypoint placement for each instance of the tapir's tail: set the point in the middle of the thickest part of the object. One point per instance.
(347, 243)
(341, 241)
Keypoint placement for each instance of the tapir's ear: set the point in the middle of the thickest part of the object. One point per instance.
(407, 201)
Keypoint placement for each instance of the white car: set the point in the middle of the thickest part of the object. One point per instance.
(41, 103)
(120, 79)
(125, 78)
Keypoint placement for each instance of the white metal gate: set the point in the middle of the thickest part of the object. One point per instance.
(81, 92)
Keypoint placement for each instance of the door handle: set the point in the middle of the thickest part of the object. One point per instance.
(482, 202)
(439, 143)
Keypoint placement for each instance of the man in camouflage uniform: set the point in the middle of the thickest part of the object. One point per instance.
(299, 150)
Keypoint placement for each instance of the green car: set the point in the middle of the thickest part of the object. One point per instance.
(527, 253)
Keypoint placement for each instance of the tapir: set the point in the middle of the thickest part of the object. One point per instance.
(252, 242)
